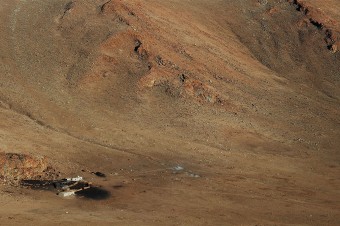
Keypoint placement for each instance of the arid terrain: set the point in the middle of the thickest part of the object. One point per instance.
(198, 112)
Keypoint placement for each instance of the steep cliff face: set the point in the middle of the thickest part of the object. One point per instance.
(321, 21)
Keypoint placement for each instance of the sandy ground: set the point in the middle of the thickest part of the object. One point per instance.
(242, 95)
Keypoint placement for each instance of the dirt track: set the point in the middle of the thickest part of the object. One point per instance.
(243, 95)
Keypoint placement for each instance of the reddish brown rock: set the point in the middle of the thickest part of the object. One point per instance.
(15, 167)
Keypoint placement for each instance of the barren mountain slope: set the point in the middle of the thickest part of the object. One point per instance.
(243, 95)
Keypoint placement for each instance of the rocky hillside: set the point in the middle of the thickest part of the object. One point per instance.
(199, 112)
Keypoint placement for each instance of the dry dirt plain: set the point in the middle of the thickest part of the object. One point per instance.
(199, 112)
